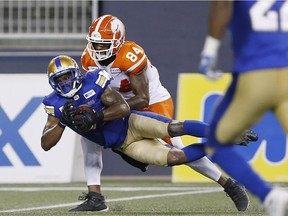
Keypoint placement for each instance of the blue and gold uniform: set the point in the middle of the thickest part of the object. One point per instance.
(110, 134)
(259, 31)
(254, 25)
(132, 134)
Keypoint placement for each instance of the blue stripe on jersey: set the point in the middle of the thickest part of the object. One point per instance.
(153, 115)
(57, 62)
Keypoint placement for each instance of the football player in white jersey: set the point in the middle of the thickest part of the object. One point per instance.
(138, 81)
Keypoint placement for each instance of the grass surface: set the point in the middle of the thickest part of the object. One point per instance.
(124, 197)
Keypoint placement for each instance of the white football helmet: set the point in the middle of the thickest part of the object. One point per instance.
(64, 75)
(109, 31)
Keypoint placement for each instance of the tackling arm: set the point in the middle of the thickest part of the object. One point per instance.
(140, 87)
(115, 108)
(52, 133)
(115, 105)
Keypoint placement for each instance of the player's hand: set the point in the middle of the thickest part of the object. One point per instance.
(68, 112)
(207, 67)
(86, 121)
(246, 137)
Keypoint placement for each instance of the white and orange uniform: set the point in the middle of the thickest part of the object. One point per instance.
(131, 60)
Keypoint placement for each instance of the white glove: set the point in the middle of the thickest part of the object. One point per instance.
(209, 59)
(207, 67)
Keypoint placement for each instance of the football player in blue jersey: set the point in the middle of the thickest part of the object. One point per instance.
(259, 31)
(106, 119)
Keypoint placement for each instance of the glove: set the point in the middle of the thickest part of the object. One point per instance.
(85, 121)
(207, 67)
(246, 137)
(68, 112)
(209, 59)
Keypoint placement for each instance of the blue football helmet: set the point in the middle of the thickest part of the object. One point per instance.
(64, 75)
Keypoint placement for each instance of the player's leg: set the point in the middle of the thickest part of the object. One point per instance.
(235, 191)
(208, 169)
(152, 151)
(232, 116)
(94, 201)
(278, 199)
(203, 165)
(281, 106)
(149, 151)
(140, 126)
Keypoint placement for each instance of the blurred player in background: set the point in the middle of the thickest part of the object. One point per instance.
(138, 81)
(106, 120)
(259, 31)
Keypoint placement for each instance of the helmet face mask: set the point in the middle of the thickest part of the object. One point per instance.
(105, 52)
(64, 76)
(107, 31)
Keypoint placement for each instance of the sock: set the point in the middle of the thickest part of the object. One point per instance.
(93, 165)
(205, 167)
(194, 152)
(235, 165)
(195, 128)
(177, 142)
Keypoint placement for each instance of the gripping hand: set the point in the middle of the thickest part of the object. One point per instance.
(246, 137)
(86, 121)
(207, 67)
(68, 111)
(208, 61)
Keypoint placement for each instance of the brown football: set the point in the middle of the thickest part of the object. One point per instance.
(82, 108)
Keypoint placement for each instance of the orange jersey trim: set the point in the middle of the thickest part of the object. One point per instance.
(165, 108)
(86, 60)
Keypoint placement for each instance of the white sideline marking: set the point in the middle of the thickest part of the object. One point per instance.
(32, 189)
(210, 190)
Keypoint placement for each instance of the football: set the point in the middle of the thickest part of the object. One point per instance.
(79, 115)
(83, 107)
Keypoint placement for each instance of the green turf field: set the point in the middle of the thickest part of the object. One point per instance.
(124, 197)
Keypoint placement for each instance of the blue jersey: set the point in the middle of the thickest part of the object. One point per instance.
(109, 134)
(259, 35)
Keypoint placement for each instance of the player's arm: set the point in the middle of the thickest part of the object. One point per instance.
(52, 133)
(219, 17)
(115, 108)
(140, 87)
(115, 105)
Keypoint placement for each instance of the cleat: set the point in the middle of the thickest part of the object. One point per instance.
(93, 202)
(247, 137)
(276, 202)
(237, 193)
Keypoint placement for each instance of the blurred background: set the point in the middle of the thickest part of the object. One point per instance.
(32, 32)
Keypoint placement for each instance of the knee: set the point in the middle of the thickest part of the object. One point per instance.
(176, 157)
(175, 128)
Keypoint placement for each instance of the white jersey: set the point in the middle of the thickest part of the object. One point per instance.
(122, 67)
